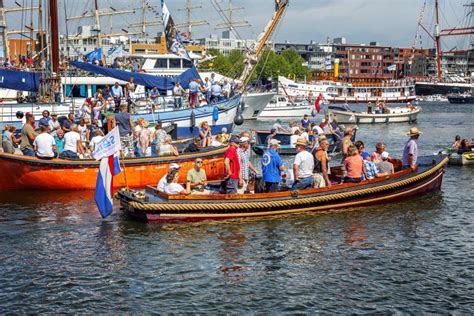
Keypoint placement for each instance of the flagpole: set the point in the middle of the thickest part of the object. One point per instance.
(122, 153)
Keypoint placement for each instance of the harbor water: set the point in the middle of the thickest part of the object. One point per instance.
(58, 256)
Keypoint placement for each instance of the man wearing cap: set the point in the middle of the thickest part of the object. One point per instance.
(28, 136)
(232, 167)
(303, 166)
(410, 152)
(162, 183)
(278, 127)
(385, 166)
(243, 152)
(272, 166)
(371, 170)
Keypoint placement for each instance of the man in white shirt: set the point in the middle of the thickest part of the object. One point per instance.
(226, 89)
(178, 93)
(117, 94)
(98, 136)
(72, 144)
(44, 144)
(161, 184)
(294, 138)
(215, 93)
(303, 166)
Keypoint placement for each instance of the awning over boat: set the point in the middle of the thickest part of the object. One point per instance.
(161, 82)
(19, 80)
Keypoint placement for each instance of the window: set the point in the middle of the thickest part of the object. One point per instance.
(175, 63)
(161, 63)
(187, 63)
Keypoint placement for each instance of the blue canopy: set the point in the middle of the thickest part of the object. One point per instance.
(19, 80)
(161, 82)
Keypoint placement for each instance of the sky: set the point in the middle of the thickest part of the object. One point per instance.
(389, 22)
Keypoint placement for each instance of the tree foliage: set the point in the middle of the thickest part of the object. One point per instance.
(270, 66)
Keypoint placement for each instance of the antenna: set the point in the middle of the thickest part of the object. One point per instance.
(230, 23)
(189, 22)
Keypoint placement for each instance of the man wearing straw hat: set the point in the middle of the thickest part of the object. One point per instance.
(303, 166)
(410, 152)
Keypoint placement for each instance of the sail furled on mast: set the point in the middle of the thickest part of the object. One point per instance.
(19, 80)
(174, 41)
(149, 81)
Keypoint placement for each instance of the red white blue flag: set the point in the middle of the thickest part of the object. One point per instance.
(319, 104)
(107, 150)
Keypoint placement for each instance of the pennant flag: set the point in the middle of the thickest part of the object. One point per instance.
(96, 53)
(107, 151)
(173, 36)
(319, 104)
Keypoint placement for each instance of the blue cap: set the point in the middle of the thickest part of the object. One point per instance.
(234, 139)
(364, 154)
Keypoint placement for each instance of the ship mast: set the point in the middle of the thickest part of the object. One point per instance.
(230, 23)
(437, 37)
(255, 52)
(3, 30)
(54, 31)
(189, 22)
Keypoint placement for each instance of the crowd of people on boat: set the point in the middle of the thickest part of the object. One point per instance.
(310, 168)
(462, 146)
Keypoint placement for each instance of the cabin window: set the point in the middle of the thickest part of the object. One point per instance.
(76, 91)
(187, 63)
(161, 63)
(175, 63)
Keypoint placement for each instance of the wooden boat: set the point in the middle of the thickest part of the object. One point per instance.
(395, 115)
(287, 149)
(24, 172)
(153, 206)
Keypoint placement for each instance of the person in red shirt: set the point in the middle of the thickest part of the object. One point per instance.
(232, 167)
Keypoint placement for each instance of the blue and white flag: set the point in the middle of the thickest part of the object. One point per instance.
(108, 150)
(392, 67)
(116, 51)
(96, 53)
(172, 34)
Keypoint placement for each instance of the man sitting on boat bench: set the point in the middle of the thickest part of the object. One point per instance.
(196, 179)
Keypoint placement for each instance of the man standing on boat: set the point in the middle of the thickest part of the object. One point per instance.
(272, 166)
(126, 128)
(410, 152)
(232, 166)
(178, 93)
(303, 166)
(117, 93)
(244, 161)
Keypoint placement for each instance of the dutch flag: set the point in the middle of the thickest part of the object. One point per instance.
(107, 151)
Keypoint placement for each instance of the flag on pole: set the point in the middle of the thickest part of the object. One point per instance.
(96, 53)
(107, 151)
(173, 36)
(319, 104)
(392, 67)
(116, 51)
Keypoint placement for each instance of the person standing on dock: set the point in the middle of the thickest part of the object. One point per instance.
(410, 152)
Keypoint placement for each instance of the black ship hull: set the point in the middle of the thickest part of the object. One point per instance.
(422, 88)
(461, 99)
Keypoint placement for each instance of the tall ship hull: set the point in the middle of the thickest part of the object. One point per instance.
(433, 88)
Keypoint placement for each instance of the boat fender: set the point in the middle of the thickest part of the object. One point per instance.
(386, 120)
(242, 106)
(215, 113)
(313, 113)
(238, 119)
(192, 120)
(19, 115)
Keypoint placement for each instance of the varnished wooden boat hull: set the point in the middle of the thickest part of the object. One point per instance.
(401, 186)
(22, 172)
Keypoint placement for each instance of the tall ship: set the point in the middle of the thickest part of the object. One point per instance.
(454, 67)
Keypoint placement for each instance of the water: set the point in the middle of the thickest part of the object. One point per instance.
(58, 256)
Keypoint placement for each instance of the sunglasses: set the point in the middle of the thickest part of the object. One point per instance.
(198, 161)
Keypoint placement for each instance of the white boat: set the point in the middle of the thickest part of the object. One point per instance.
(465, 159)
(255, 103)
(280, 107)
(399, 114)
(396, 91)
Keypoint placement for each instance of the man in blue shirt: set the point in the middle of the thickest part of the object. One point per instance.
(44, 121)
(272, 166)
(193, 91)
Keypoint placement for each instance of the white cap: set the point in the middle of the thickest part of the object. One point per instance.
(244, 139)
(174, 166)
(274, 142)
(384, 155)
